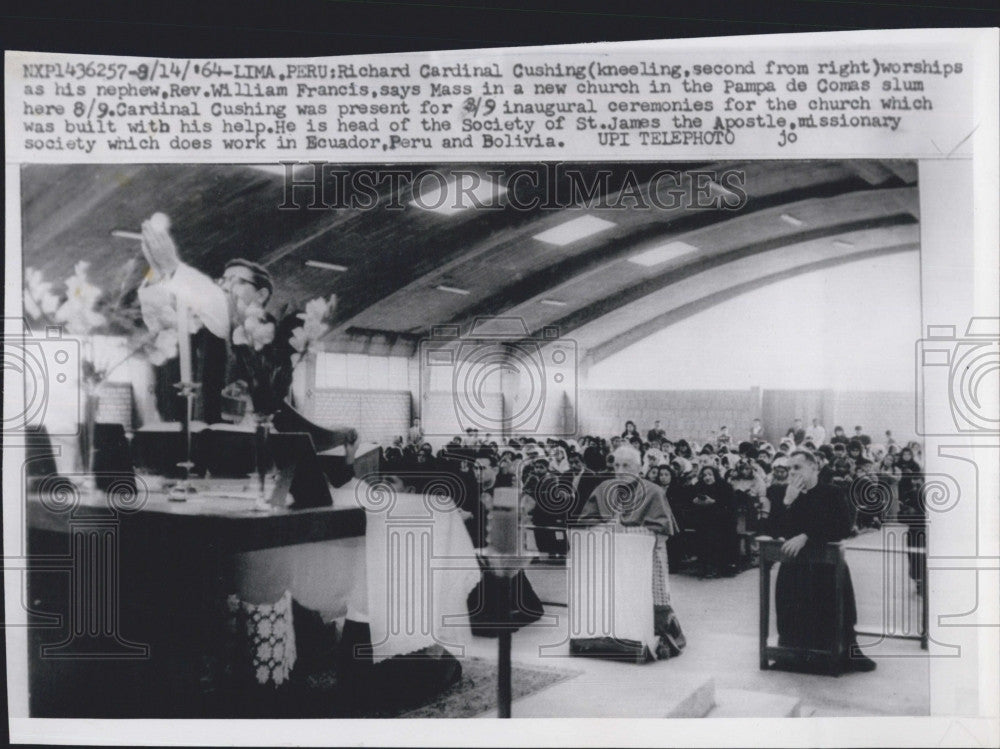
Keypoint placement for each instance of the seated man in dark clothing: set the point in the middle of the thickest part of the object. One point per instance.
(581, 481)
(839, 437)
(553, 503)
(813, 514)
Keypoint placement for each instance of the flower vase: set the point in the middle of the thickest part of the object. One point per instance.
(264, 423)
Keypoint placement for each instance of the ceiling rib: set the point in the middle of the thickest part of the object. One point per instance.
(673, 316)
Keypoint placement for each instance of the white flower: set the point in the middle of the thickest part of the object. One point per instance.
(316, 310)
(78, 311)
(240, 337)
(299, 341)
(49, 302)
(80, 318)
(164, 347)
(262, 674)
(314, 330)
(262, 335)
(264, 651)
(79, 289)
(39, 299)
(313, 326)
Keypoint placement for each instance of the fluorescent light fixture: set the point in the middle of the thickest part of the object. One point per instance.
(453, 290)
(719, 191)
(280, 170)
(575, 229)
(662, 254)
(553, 302)
(843, 243)
(449, 198)
(790, 219)
(326, 266)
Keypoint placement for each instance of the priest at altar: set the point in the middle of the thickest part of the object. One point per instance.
(252, 364)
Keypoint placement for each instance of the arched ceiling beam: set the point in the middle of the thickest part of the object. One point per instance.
(619, 283)
(630, 323)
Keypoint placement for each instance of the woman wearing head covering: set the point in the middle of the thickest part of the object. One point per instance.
(751, 487)
(678, 500)
(714, 517)
(560, 460)
(653, 458)
(630, 431)
(635, 505)
(910, 472)
(888, 475)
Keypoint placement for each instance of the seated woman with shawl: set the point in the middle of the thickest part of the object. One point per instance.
(635, 505)
(714, 519)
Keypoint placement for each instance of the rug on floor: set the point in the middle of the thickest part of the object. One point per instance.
(474, 694)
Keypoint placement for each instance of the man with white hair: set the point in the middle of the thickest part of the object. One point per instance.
(635, 505)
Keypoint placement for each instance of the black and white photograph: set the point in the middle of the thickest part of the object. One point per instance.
(616, 392)
(319, 439)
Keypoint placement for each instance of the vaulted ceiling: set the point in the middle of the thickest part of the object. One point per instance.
(399, 268)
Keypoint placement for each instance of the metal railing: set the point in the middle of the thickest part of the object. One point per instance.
(902, 598)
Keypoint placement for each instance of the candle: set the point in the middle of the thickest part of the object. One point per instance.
(183, 339)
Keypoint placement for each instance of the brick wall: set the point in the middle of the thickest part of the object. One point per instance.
(378, 415)
(693, 414)
(441, 420)
(876, 411)
(696, 414)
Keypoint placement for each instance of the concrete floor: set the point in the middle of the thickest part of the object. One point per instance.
(720, 621)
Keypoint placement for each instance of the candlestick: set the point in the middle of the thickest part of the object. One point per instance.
(184, 339)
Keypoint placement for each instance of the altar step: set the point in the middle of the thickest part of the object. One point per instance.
(622, 691)
(648, 692)
(741, 703)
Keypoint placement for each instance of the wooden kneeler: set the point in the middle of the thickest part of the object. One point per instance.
(832, 554)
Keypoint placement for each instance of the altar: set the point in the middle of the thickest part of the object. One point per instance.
(128, 598)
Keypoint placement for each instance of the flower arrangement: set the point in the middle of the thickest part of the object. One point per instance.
(268, 349)
(84, 310)
(314, 326)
